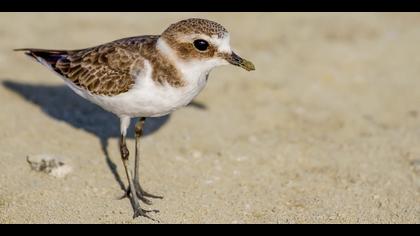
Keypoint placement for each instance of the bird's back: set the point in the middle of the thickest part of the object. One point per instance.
(102, 70)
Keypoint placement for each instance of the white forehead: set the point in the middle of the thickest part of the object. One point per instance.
(223, 44)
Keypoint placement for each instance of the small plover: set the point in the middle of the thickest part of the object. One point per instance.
(144, 76)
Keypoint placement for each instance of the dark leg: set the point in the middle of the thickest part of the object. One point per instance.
(124, 156)
(111, 165)
(140, 192)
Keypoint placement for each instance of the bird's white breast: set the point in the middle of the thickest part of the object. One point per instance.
(149, 98)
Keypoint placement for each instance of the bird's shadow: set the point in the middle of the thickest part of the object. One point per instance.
(60, 103)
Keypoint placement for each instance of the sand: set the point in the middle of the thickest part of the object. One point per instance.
(326, 130)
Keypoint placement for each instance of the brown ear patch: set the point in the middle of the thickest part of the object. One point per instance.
(186, 50)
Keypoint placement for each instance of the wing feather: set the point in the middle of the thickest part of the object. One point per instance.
(102, 70)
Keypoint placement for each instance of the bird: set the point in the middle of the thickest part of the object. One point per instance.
(142, 77)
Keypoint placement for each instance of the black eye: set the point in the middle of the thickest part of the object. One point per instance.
(201, 45)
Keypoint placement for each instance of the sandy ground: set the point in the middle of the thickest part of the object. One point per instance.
(326, 130)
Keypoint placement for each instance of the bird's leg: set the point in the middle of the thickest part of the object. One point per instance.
(139, 191)
(138, 211)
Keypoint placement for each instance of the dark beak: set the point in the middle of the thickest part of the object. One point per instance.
(238, 61)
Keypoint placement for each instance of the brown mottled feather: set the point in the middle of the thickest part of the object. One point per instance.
(110, 69)
(105, 69)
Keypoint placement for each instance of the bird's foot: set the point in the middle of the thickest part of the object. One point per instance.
(138, 211)
(143, 213)
(141, 194)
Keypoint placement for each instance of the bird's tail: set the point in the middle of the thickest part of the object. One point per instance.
(44, 56)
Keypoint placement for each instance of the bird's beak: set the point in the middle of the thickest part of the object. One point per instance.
(236, 60)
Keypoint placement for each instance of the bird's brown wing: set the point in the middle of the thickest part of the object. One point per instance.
(103, 70)
(107, 69)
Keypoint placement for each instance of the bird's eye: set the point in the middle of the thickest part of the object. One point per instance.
(201, 45)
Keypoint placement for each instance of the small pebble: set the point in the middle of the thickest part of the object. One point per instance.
(50, 165)
(197, 154)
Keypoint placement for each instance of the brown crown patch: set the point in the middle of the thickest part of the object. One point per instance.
(195, 26)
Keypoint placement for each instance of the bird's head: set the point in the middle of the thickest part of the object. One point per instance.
(201, 44)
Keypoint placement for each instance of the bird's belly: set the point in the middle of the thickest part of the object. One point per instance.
(145, 101)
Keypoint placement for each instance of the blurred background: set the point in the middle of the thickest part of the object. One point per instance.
(326, 130)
